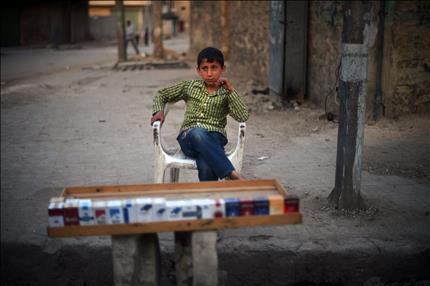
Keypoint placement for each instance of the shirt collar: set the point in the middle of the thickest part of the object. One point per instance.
(201, 85)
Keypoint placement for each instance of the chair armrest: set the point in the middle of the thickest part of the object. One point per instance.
(156, 133)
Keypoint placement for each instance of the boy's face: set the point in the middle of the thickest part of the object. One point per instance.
(210, 72)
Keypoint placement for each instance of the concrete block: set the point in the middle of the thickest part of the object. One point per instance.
(183, 259)
(136, 260)
(205, 258)
(196, 258)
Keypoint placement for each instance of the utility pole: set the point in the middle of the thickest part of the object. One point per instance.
(158, 29)
(352, 94)
(120, 31)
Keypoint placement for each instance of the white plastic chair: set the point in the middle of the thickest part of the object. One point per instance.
(177, 160)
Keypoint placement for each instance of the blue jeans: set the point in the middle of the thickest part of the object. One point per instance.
(207, 148)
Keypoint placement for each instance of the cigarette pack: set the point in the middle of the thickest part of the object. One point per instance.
(129, 210)
(207, 208)
(192, 210)
(219, 208)
(246, 207)
(276, 204)
(232, 207)
(144, 209)
(261, 206)
(71, 215)
(115, 212)
(100, 215)
(175, 209)
(56, 212)
(160, 212)
(86, 213)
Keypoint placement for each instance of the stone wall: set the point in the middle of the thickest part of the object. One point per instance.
(204, 26)
(406, 69)
(240, 29)
(324, 46)
(406, 61)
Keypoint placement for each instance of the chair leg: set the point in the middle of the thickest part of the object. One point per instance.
(159, 174)
(174, 175)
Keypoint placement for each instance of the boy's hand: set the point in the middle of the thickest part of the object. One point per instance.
(226, 84)
(159, 116)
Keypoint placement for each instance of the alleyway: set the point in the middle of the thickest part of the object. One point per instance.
(69, 119)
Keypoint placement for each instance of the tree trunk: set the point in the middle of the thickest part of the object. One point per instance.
(352, 94)
(158, 30)
(120, 31)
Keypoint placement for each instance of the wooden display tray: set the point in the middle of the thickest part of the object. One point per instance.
(220, 189)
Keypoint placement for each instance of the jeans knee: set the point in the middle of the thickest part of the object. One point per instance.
(199, 136)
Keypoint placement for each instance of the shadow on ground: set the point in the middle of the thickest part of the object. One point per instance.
(75, 265)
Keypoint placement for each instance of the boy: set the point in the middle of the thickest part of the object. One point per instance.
(208, 102)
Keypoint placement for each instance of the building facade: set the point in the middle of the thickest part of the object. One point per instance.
(398, 61)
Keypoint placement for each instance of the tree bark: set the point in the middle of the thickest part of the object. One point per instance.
(158, 30)
(120, 31)
(352, 94)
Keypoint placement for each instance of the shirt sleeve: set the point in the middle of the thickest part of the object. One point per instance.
(237, 107)
(172, 93)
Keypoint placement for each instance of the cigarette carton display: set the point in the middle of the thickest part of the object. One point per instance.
(160, 212)
(276, 204)
(175, 209)
(261, 206)
(144, 209)
(100, 215)
(71, 215)
(56, 212)
(219, 208)
(129, 210)
(86, 214)
(115, 212)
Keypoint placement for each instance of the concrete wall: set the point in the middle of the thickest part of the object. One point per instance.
(54, 22)
(103, 28)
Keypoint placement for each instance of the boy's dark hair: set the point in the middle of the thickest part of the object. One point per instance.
(211, 55)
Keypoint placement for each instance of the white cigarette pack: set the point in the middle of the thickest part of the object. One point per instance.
(159, 212)
(129, 210)
(115, 212)
(204, 207)
(175, 209)
(56, 212)
(144, 209)
(191, 209)
(219, 208)
(85, 211)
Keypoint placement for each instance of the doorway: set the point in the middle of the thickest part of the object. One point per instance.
(288, 49)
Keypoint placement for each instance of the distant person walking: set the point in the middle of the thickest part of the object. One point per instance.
(131, 37)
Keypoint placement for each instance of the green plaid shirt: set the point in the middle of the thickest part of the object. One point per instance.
(204, 110)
